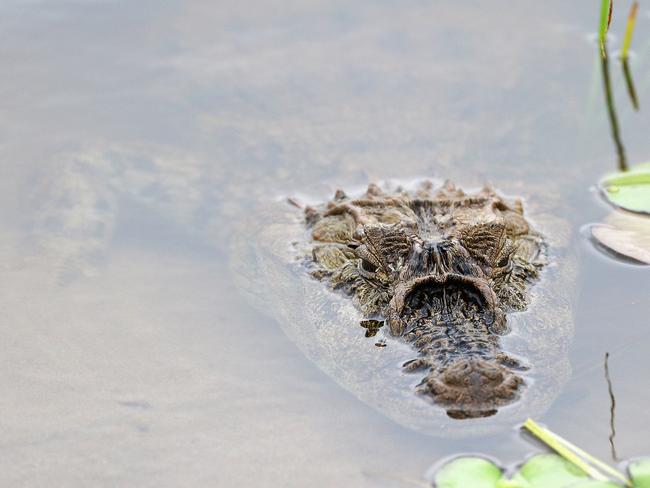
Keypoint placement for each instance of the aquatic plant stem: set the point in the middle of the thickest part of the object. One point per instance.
(629, 83)
(612, 409)
(574, 454)
(611, 111)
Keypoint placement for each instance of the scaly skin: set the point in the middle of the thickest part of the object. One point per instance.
(443, 268)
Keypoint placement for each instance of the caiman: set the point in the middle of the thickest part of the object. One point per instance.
(465, 296)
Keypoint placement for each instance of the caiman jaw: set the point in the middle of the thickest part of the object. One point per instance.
(492, 315)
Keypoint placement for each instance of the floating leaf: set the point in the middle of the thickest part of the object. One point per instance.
(548, 471)
(629, 190)
(625, 235)
(508, 483)
(640, 473)
(468, 471)
(595, 484)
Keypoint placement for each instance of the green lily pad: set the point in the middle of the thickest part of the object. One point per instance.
(548, 471)
(630, 189)
(468, 471)
(640, 473)
(595, 484)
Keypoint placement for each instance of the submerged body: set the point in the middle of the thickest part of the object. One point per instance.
(468, 298)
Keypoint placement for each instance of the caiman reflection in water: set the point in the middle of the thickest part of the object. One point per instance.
(443, 268)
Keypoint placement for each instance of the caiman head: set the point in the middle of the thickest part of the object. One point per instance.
(442, 268)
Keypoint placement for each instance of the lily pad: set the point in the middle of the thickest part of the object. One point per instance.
(625, 235)
(629, 190)
(468, 471)
(640, 473)
(548, 471)
(540, 471)
(595, 484)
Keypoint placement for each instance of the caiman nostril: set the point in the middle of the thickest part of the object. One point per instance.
(468, 383)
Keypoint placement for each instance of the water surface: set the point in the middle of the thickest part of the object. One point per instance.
(136, 135)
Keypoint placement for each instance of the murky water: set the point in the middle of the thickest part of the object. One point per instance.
(135, 135)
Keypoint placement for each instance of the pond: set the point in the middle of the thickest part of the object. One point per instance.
(137, 137)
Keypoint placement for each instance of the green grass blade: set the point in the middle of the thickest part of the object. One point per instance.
(574, 454)
(629, 30)
(542, 434)
(609, 15)
(605, 19)
(606, 468)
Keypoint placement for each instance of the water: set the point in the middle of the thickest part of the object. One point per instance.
(134, 136)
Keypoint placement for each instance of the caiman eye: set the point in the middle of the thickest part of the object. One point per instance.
(367, 266)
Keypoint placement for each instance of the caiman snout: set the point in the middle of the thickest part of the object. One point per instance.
(442, 268)
(472, 387)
